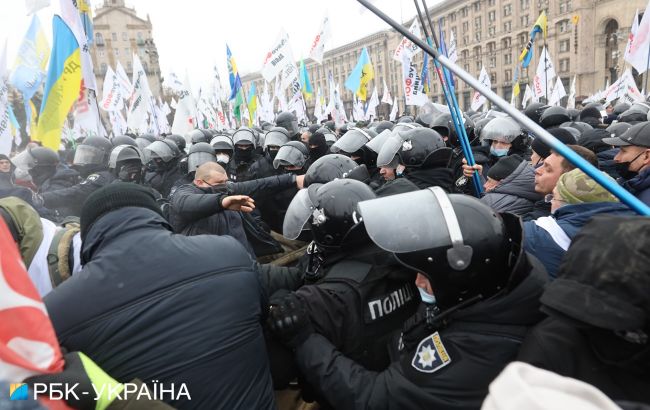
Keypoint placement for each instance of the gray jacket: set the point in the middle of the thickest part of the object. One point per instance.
(516, 193)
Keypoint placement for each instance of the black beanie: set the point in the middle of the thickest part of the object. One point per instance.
(115, 196)
(593, 140)
(561, 134)
(590, 112)
(504, 167)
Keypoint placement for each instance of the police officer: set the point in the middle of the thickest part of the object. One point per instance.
(47, 172)
(123, 140)
(126, 164)
(91, 161)
(223, 150)
(244, 141)
(289, 122)
(163, 167)
(273, 140)
(359, 294)
(486, 291)
(353, 143)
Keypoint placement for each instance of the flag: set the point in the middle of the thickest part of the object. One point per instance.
(386, 98)
(319, 111)
(425, 74)
(630, 39)
(112, 98)
(637, 51)
(35, 5)
(452, 52)
(118, 123)
(318, 45)
(545, 71)
(371, 109)
(412, 83)
(393, 111)
(70, 14)
(357, 110)
(61, 86)
(29, 70)
(139, 101)
(557, 93)
(305, 84)
(479, 99)
(527, 53)
(5, 132)
(278, 57)
(361, 75)
(86, 115)
(30, 119)
(571, 102)
(528, 95)
(15, 127)
(575, 20)
(236, 92)
(185, 115)
(252, 104)
(515, 89)
(218, 89)
(123, 79)
(86, 19)
(406, 46)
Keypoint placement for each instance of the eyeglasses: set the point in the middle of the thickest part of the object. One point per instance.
(548, 198)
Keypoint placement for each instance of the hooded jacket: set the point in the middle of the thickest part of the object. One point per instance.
(549, 237)
(178, 310)
(515, 193)
(639, 186)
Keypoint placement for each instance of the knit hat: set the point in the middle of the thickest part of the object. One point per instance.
(112, 197)
(593, 140)
(504, 167)
(590, 112)
(576, 187)
(561, 134)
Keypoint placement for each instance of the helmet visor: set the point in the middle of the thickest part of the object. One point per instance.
(389, 149)
(351, 141)
(243, 137)
(24, 160)
(289, 156)
(275, 138)
(123, 153)
(196, 159)
(376, 143)
(88, 155)
(501, 129)
(159, 149)
(299, 211)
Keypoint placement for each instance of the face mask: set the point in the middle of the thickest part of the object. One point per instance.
(426, 297)
(623, 168)
(130, 173)
(223, 158)
(243, 154)
(499, 152)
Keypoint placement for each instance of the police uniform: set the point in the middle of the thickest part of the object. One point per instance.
(71, 199)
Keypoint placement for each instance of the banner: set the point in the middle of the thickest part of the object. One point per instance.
(185, 115)
(393, 111)
(413, 87)
(112, 97)
(386, 98)
(70, 14)
(557, 93)
(277, 58)
(139, 102)
(123, 79)
(318, 45)
(545, 70)
(406, 46)
(479, 99)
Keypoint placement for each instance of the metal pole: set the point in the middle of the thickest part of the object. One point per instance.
(647, 66)
(524, 121)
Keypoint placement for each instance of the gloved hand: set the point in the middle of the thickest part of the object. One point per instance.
(80, 369)
(290, 321)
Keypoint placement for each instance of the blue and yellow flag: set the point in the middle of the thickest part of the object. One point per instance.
(61, 86)
(31, 62)
(361, 75)
(252, 104)
(236, 92)
(527, 53)
(305, 84)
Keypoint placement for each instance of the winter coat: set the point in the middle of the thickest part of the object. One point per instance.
(639, 186)
(424, 178)
(515, 193)
(606, 162)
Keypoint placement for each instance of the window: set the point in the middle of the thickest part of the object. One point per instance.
(524, 20)
(104, 68)
(442, 21)
(477, 36)
(452, 17)
(465, 26)
(507, 59)
(116, 51)
(493, 62)
(99, 39)
(477, 6)
(478, 66)
(125, 36)
(565, 6)
(465, 54)
(563, 26)
(493, 78)
(465, 40)
(565, 45)
(491, 31)
(492, 15)
(491, 47)
(523, 38)
(463, 12)
(508, 74)
(564, 65)
(127, 51)
(477, 52)
(506, 42)
(491, 3)
(507, 26)
(101, 52)
(477, 23)
(524, 4)
(114, 36)
(507, 10)
(466, 68)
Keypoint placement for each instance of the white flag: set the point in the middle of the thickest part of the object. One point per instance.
(86, 115)
(5, 132)
(71, 17)
(614, 91)
(528, 95)
(174, 82)
(277, 57)
(479, 99)
(393, 111)
(112, 98)
(545, 71)
(637, 55)
(630, 38)
(123, 79)
(185, 115)
(386, 98)
(406, 46)
(118, 123)
(35, 5)
(413, 87)
(139, 102)
(371, 109)
(632, 92)
(221, 117)
(357, 110)
(452, 51)
(318, 45)
(571, 102)
(318, 107)
(557, 93)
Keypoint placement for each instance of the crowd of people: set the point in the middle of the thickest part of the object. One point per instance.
(353, 267)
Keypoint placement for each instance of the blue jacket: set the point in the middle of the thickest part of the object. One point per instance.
(570, 218)
(639, 186)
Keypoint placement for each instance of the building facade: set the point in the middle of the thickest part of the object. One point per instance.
(492, 33)
(120, 33)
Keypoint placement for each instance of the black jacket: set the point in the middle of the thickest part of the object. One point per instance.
(163, 181)
(63, 178)
(263, 167)
(68, 201)
(177, 309)
(424, 178)
(448, 369)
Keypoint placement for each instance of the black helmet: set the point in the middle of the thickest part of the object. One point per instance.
(330, 136)
(196, 136)
(288, 121)
(331, 125)
(416, 148)
(353, 140)
(291, 154)
(405, 118)
(222, 142)
(634, 114)
(44, 157)
(126, 162)
(328, 168)
(313, 128)
(143, 142)
(535, 110)
(620, 108)
(467, 251)
(244, 135)
(165, 150)
(582, 127)
(277, 137)
(93, 151)
(199, 154)
(178, 140)
(331, 211)
(123, 140)
(573, 113)
(553, 117)
(618, 128)
(444, 125)
(383, 125)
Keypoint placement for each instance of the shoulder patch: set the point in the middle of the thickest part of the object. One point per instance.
(431, 355)
(91, 178)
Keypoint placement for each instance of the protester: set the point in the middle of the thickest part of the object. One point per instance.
(510, 186)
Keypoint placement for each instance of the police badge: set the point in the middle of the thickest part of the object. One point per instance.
(431, 355)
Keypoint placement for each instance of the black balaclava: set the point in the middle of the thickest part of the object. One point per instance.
(42, 173)
(243, 155)
(320, 148)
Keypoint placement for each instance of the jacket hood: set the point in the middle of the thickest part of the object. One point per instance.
(424, 178)
(639, 183)
(572, 218)
(520, 183)
(28, 225)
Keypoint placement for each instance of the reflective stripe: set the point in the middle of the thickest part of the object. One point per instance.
(550, 225)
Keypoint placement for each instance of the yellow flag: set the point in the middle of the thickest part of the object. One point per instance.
(575, 19)
(542, 22)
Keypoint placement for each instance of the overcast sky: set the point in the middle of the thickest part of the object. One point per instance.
(192, 34)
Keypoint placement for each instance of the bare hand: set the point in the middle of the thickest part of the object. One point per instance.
(300, 181)
(238, 203)
(468, 171)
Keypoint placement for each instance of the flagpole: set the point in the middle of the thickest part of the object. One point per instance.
(556, 145)
(545, 71)
(647, 66)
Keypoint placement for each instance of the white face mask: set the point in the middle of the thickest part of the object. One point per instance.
(223, 158)
(427, 297)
